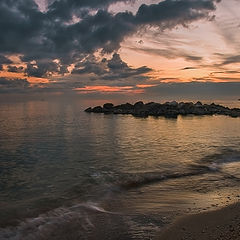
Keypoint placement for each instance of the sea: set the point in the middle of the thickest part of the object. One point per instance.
(70, 175)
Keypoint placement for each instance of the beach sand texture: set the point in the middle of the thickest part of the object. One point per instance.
(222, 224)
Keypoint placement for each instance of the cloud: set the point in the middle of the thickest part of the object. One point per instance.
(4, 60)
(112, 69)
(170, 53)
(231, 59)
(90, 65)
(189, 68)
(169, 14)
(70, 30)
(8, 84)
(42, 69)
(65, 9)
(15, 69)
(226, 59)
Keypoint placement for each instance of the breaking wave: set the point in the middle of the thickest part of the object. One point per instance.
(72, 223)
(210, 163)
(81, 220)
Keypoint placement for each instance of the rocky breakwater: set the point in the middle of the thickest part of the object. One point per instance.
(168, 109)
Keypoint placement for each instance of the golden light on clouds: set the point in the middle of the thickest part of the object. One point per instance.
(32, 80)
(172, 44)
(108, 89)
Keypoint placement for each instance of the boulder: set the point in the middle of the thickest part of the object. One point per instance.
(108, 106)
(173, 104)
(126, 106)
(198, 104)
(171, 114)
(138, 105)
(199, 111)
(140, 113)
(182, 112)
(88, 110)
(234, 114)
(117, 111)
(152, 108)
(97, 109)
(181, 105)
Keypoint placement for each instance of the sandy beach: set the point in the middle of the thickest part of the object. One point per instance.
(222, 224)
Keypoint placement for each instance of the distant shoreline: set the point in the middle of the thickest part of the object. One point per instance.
(168, 109)
(219, 224)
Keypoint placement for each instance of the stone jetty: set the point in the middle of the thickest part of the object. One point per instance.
(168, 109)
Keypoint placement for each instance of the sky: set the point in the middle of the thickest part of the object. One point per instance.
(120, 47)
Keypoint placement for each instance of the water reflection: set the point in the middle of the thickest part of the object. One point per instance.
(53, 153)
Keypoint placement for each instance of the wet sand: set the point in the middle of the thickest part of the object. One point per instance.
(222, 224)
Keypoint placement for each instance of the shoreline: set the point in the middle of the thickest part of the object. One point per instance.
(223, 223)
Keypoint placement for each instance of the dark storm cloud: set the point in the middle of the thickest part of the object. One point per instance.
(70, 30)
(120, 69)
(21, 26)
(4, 60)
(116, 63)
(90, 65)
(7, 84)
(41, 69)
(112, 69)
(63, 9)
(169, 13)
(15, 69)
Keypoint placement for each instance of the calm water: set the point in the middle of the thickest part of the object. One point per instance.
(66, 174)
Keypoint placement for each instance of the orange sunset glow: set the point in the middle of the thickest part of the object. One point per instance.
(119, 119)
(108, 89)
(32, 80)
(183, 48)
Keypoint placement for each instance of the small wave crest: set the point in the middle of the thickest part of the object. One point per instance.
(139, 180)
(224, 156)
(210, 163)
(62, 223)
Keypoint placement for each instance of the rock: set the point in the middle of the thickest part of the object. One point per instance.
(88, 110)
(153, 108)
(173, 103)
(168, 109)
(198, 104)
(171, 114)
(118, 111)
(151, 103)
(140, 114)
(138, 105)
(199, 110)
(181, 105)
(108, 106)
(125, 107)
(107, 111)
(182, 112)
(234, 114)
(97, 109)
